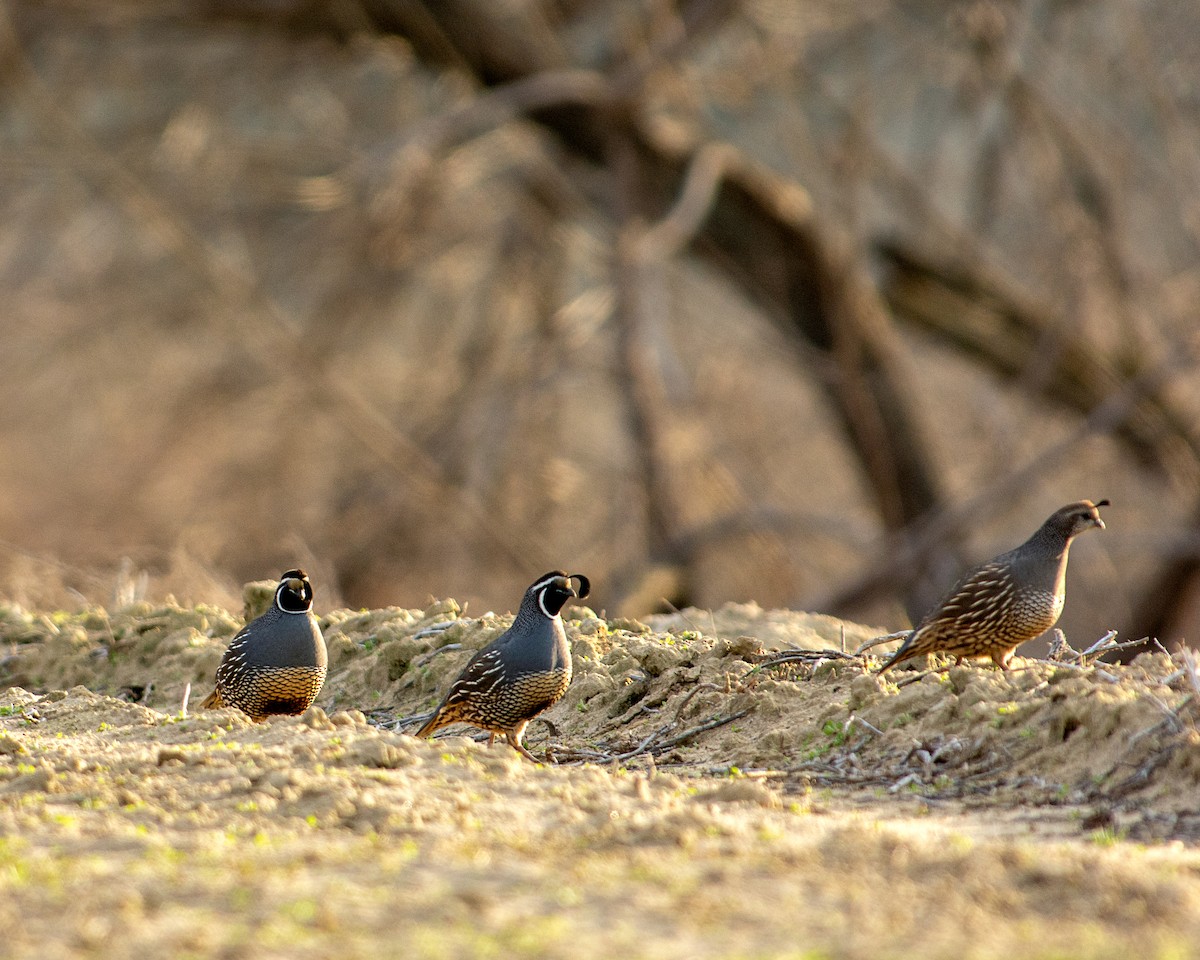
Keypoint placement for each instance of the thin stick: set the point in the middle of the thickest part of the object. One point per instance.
(686, 619)
(426, 657)
(691, 693)
(434, 629)
(396, 723)
(187, 693)
(1098, 646)
(1190, 665)
(1078, 660)
(1103, 642)
(649, 745)
(645, 743)
(805, 656)
(854, 718)
(876, 641)
(701, 728)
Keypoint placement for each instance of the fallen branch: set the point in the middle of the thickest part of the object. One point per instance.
(876, 641)
(650, 745)
(700, 728)
(396, 724)
(641, 747)
(805, 656)
(426, 657)
(1104, 643)
(688, 698)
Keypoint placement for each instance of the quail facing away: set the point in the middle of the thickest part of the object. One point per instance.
(522, 672)
(276, 663)
(1013, 598)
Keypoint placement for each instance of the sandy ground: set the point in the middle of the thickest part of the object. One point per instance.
(715, 787)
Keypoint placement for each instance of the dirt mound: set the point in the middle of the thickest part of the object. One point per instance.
(711, 797)
(704, 693)
(138, 833)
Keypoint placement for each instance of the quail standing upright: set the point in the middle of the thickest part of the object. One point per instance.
(1013, 598)
(521, 673)
(276, 663)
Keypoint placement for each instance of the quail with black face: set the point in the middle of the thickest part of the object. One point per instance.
(520, 674)
(276, 664)
(1013, 598)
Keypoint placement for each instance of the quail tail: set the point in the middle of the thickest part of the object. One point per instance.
(906, 651)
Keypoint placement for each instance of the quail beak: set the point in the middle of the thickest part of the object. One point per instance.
(563, 583)
(1098, 522)
(296, 585)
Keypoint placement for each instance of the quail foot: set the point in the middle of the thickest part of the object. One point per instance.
(276, 663)
(1013, 598)
(521, 673)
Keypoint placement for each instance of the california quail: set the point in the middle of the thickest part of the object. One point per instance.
(522, 672)
(1015, 597)
(276, 663)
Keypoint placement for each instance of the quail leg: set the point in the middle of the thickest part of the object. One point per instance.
(514, 737)
(523, 752)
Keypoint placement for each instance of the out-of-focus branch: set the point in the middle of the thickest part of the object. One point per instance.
(670, 235)
(684, 486)
(763, 231)
(253, 316)
(968, 306)
(1169, 607)
(901, 557)
(758, 227)
(501, 105)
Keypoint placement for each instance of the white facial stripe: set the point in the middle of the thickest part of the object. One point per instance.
(279, 597)
(542, 602)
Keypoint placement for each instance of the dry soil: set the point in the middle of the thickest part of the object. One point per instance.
(717, 784)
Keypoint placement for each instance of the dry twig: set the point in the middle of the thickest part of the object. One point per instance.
(876, 641)
(437, 651)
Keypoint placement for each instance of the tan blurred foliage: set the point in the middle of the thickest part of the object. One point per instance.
(804, 303)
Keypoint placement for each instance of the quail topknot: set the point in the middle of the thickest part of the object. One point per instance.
(521, 673)
(276, 663)
(1013, 598)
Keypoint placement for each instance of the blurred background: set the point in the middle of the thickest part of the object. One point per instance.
(803, 302)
